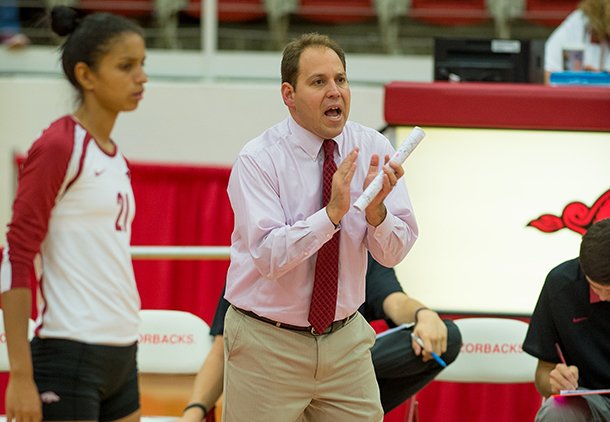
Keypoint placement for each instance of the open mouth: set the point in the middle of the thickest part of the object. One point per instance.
(333, 112)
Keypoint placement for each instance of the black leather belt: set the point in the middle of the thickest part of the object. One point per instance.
(334, 326)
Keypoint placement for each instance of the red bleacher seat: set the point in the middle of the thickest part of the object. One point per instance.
(231, 10)
(337, 11)
(131, 8)
(549, 12)
(449, 12)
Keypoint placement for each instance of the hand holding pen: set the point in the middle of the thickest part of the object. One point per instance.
(563, 376)
(436, 357)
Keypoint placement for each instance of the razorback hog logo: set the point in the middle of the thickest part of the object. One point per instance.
(576, 216)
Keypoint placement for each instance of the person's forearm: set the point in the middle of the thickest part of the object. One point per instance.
(542, 380)
(391, 240)
(17, 308)
(376, 215)
(208, 383)
(401, 308)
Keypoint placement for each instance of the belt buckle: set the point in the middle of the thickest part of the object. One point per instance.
(313, 331)
(328, 330)
(334, 326)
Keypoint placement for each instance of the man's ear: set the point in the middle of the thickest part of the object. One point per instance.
(83, 75)
(288, 94)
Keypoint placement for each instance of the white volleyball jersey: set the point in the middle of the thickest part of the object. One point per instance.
(74, 207)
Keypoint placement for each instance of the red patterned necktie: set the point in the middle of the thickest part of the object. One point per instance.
(324, 296)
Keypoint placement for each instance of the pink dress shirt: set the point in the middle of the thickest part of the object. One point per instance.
(275, 191)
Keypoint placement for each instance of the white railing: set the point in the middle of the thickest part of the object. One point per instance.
(180, 252)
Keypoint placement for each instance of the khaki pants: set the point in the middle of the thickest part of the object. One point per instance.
(594, 408)
(278, 375)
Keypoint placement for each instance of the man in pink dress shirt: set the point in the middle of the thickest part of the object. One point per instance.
(276, 367)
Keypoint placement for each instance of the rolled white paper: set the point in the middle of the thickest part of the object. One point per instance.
(399, 157)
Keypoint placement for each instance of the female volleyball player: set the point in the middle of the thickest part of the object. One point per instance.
(73, 212)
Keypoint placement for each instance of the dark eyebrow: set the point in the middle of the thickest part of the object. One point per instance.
(131, 57)
(316, 75)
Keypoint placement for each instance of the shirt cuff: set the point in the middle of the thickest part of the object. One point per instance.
(322, 225)
(384, 229)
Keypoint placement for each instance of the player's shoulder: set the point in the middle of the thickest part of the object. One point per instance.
(568, 267)
(57, 138)
(564, 274)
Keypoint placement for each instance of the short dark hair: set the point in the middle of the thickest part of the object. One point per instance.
(294, 49)
(595, 252)
(88, 38)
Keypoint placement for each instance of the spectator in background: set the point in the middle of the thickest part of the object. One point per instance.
(10, 26)
(585, 32)
(400, 367)
(72, 215)
(569, 332)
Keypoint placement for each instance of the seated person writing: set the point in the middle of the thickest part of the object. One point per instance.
(569, 331)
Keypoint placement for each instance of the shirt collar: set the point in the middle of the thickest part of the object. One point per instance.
(593, 297)
(308, 141)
